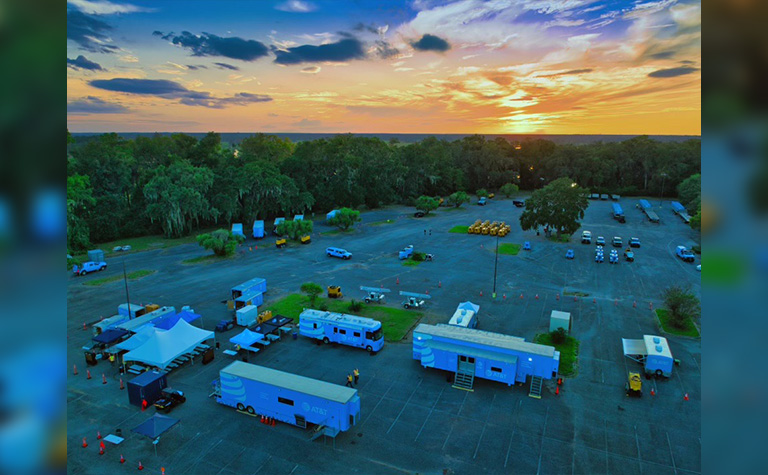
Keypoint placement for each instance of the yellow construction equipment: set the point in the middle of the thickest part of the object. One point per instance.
(306, 239)
(264, 316)
(634, 385)
(281, 242)
(151, 307)
(334, 292)
(491, 195)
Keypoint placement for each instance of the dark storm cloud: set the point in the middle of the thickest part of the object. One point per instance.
(81, 62)
(368, 28)
(385, 50)
(572, 72)
(672, 72)
(94, 105)
(89, 32)
(227, 66)
(207, 44)
(431, 43)
(172, 90)
(662, 55)
(195, 67)
(343, 50)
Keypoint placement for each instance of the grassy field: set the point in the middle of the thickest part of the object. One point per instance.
(206, 259)
(145, 243)
(135, 275)
(339, 231)
(569, 352)
(395, 322)
(459, 229)
(666, 325)
(411, 263)
(563, 238)
(380, 223)
(453, 208)
(509, 249)
(575, 294)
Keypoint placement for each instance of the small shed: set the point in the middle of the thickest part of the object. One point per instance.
(298, 217)
(558, 319)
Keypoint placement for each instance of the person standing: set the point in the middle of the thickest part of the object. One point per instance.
(356, 372)
(112, 359)
(349, 380)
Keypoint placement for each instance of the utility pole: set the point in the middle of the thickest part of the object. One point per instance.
(663, 181)
(127, 297)
(495, 266)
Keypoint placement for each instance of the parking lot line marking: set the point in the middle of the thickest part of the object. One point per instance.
(449, 434)
(294, 469)
(605, 433)
(484, 426)
(674, 466)
(404, 406)
(377, 404)
(637, 444)
(514, 427)
(682, 387)
(430, 413)
(541, 446)
(262, 465)
(462, 404)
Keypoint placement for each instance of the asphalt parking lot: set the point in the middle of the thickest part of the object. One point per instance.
(412, 420)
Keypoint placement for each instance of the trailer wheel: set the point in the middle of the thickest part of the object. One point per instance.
(250, 410)
(367, 300)
(326, 340)
(369, 349)
(406, 306)
(659, 373)
(240, 406)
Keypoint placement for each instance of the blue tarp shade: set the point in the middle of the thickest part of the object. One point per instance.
(166, 323)
(155, 426)
(644, 204)
(677, 207)
(110, 336)
(246, 338)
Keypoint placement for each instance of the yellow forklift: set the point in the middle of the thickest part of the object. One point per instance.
(634, 385)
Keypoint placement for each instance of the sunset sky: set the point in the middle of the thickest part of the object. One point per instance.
(469, 66)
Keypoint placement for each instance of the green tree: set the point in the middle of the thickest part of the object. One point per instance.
(696, 220)
(177, 197)
(426, 203)
(689, 192)
(510, 189)
(682, 305)
(222, 242)
(482, 192)
(345, 218)
(312, 290)
(560, 205)
(458, 198)
(295, 229)
(79, 200)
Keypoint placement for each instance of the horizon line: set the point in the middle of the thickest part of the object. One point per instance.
(387, 133)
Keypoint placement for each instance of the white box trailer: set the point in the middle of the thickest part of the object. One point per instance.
(247, 315)
(652, 352)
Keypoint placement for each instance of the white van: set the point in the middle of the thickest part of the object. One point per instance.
(586, 237)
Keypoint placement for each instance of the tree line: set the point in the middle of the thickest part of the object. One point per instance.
(172, 185)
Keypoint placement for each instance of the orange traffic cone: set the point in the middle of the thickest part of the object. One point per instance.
(557, 390)
(262, 419)
(122, 459)
(101, 450)
(575, 298)
(634, 304)
(98, 435)
(557, 296)
(162, 470)
(141, 467)
(653, 392)
(122, 386)
(481, 293)
(537, 296)
(427, 292)
(273, 422)
(594, 300)
(85, 444)
(504, 296)
(397, 281)
(88, 374)
(439, 284)
(650, 305)
(74, 369)
(103, 378)
(685, 397)
(615, 302)
(85, 327)
(521, 296)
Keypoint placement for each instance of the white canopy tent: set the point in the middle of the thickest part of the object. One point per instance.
(141, 337)
(246, 338)
(164, 347)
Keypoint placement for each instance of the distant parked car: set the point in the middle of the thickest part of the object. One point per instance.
(586, 237)
(600, 241)
(599, 257)
(117, 248)
(527, 246)
(224, 325)
(604, 197)
(419, 214)
(617, 242)
(569, 254)
(613, 258)
(89, 266)
(685, 254)
(634, 242)
(482, 201)
(518, 203)
(615, 197)
(629, 255)
(169, 398)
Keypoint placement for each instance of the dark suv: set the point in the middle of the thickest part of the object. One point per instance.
(169, 398)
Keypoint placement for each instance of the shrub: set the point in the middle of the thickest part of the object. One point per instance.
(419, 256)
(323, 307)
(312, 290)
(355, 306)
(458, 198)
(345, 218)
(509, 190)
(482, 192)
(558, 336)
(222, 242)
(682, 305)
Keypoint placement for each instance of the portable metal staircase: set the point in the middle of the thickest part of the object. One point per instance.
(536, 385)
(464, 380)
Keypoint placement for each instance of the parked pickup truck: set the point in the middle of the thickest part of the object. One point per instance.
(89, 266)
(685, 254)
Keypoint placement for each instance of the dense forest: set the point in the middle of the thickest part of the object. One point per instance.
(172, 185)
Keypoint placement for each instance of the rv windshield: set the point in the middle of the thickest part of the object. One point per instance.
(373, 336)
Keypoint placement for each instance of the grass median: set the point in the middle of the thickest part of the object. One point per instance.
(459, 229)
(569, 352)
(135, 275)
(688, 328)
(395, 322)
